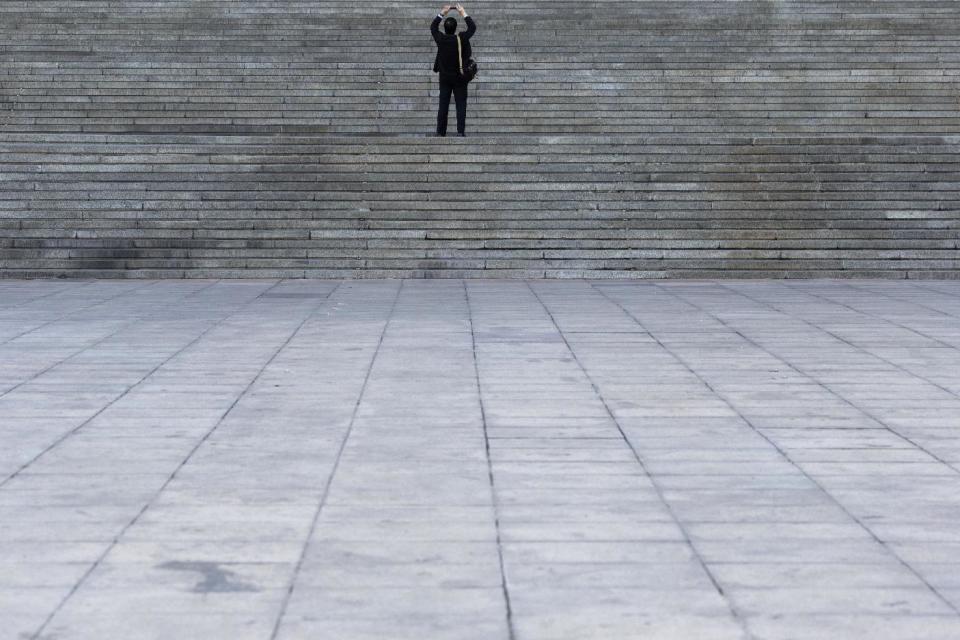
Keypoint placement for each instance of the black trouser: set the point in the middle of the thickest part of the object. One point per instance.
(459, 91)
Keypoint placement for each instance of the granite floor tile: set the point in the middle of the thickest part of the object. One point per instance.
(471, 460)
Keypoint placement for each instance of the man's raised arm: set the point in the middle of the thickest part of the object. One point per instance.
(435, 25)
(471, 25)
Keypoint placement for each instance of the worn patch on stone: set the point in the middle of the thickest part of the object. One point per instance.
(215, 578)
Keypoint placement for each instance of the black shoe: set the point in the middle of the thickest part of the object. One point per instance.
(461, 135)
(439, 135)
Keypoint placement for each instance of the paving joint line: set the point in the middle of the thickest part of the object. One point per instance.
(851, 285)
(109, 404)
(796, 465)
(949, 294)
(325, 492)
(874, 315)
(882, 319)
(821, 384)
(735, 612)
(44, 296)
(81, 309)
(92, 345)
(113, 543)
(494, 495)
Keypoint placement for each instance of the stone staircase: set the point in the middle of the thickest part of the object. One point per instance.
(242, 138)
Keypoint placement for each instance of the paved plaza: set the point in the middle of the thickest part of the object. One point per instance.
(432, 460)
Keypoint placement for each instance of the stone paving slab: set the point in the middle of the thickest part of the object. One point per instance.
(537, 460)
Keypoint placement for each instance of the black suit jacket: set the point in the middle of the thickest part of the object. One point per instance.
(446, 63)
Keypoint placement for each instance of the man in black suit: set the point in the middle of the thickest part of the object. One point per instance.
(447, 64)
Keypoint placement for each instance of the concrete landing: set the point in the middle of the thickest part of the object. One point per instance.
(479, 460)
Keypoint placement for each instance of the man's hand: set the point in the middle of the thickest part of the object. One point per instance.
(446, 7)
(463, 12)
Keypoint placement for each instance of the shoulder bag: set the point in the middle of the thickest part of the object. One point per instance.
(469, 71)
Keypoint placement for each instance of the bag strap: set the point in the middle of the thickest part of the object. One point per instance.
(459, 54)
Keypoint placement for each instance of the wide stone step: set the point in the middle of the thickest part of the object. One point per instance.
(690, 138)
(525, 206)
(285, 66)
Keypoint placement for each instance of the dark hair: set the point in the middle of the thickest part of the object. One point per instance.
(450, 26)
